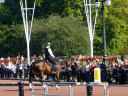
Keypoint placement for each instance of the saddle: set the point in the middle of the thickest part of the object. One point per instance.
(49, 64)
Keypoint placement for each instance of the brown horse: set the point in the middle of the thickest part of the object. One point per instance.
(41, 67)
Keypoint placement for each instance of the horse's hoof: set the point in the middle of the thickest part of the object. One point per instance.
(30, 89)
(57, 87)
(44, 87)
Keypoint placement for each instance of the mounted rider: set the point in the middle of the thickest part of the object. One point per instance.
(50, 56)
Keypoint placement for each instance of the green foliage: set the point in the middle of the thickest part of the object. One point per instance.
(68, 36)
(65, 31)
(45, 8)
(74, 8)
(10, 12)
(63, 8)
(116, 27)
(12, 40)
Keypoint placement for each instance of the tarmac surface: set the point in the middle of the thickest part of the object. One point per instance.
(64, 90)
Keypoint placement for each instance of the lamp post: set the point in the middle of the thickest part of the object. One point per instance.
(105, 62)
(108, 3)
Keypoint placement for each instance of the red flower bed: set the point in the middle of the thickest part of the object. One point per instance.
(7, 60)
(11, 59)
(110, 59)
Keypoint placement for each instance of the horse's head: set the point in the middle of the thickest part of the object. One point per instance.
(62, 61)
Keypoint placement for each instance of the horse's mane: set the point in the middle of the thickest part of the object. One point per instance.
(61, 61)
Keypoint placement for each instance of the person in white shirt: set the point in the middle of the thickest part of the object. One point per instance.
(14, 70)
(10, 64)
(22, 58)
(9, 67)
(50, 56)
(1, 58)
(20, 69)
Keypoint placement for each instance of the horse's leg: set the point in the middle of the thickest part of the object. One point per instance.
(57, 81)
(31, 76)
(41, 77)
(57, 76)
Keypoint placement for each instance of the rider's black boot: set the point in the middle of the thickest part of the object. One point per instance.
(53, 70)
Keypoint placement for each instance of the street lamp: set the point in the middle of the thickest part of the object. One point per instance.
(105, 62)
(97, 4)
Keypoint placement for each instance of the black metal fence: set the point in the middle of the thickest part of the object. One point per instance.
(19, 84)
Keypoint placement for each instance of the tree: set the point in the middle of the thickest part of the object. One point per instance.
(10, 12)
(45, 8)
(12, 40)
(68, 36)
(116, 28)
(74, 8)
(63, 8)
(63, 29)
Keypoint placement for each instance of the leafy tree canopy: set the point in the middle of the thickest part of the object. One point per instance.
(68, 36)
(65, 29)
(116, 28)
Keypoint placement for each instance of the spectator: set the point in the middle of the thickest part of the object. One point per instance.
(126, 71)
(69, 74)
(3, 70)
(2, 58)
(87, 72)
(110, 73)
(83, 71)
(78, 73)
(14, 70)
(115, 72)
(92, 72)
(34, 57)
(73, 67)
(22, 58)
(20, 69)
(17, 69)
(8, 58)
(9, 67)
(62, 73)
(26, 68)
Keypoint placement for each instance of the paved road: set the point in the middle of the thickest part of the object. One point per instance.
(64, 90)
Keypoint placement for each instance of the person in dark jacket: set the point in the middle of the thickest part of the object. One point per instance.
(50, 56)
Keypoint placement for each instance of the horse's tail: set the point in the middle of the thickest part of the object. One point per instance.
(31, 70)
(31, 73)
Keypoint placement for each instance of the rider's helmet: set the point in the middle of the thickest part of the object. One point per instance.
(48, 43)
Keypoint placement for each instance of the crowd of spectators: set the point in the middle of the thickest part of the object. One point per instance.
(83, 70)
(15, 67)
(77, 69)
